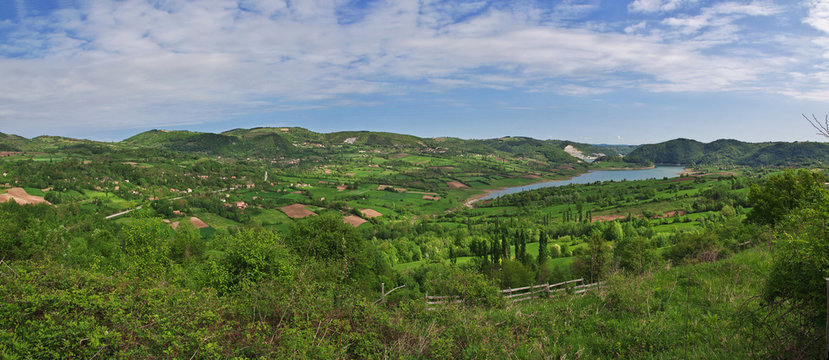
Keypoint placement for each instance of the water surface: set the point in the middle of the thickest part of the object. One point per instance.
(658, 172)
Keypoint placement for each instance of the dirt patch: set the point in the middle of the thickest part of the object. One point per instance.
(531, 176)
(383, 187)
(681, 179)
(341, 187)
(673, 213)
(21, 197)
(399, 156)
(198, 223)
(371, 213)
(297, 211)
(608, 217)
(429, 197)
(693, 174)
(354, 220)
(456, 185)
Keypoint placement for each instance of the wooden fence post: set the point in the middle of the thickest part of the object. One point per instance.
(383, 293)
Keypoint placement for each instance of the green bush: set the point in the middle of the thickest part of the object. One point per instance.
(471, 286)
(251, 256)
(783, 193)
(802, 261)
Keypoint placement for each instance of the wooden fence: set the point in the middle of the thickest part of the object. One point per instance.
(576, 286)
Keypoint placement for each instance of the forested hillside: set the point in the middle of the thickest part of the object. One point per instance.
(691, 152)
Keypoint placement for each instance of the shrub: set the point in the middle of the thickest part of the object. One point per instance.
(471, 286)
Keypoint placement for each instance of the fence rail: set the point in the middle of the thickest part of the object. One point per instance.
(576, 286)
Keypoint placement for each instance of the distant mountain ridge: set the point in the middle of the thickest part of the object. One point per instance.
(728, 151)
(297, 142)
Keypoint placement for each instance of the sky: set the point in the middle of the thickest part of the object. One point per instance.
(596, 71)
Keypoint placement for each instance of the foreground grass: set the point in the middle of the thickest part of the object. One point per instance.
(698, 311)
(705, 311)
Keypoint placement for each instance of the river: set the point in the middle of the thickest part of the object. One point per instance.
(593, 176)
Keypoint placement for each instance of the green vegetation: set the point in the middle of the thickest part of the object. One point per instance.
(734, 152)
(237, 245)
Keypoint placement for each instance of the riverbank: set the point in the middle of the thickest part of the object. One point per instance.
(626, 168)
(486, 192)
(628, 174)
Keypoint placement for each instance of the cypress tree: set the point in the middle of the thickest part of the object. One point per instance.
(505, 245)
(542, 247)
(496, 251)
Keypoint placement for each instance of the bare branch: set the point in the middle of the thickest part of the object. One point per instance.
(823, 129)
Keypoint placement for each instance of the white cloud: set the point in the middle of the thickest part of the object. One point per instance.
(653, 6)
(636, 28)
(572, 9)
(818, 15)
(143, 63)
(721, 17)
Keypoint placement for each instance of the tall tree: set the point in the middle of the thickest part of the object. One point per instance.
(592, 264)
(543, 252)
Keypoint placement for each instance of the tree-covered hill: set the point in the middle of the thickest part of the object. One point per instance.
(10, 142)
(264, 144)
(269, 141)
(733, 152)
(45, 143)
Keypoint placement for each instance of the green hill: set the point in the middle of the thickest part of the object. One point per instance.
(371, 138)
(285, 137)
(728, 151)
(241, 144)
(10, 142)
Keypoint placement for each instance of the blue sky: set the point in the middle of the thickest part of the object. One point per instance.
(637, 71)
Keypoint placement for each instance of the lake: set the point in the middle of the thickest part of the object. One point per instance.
(658, 172)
